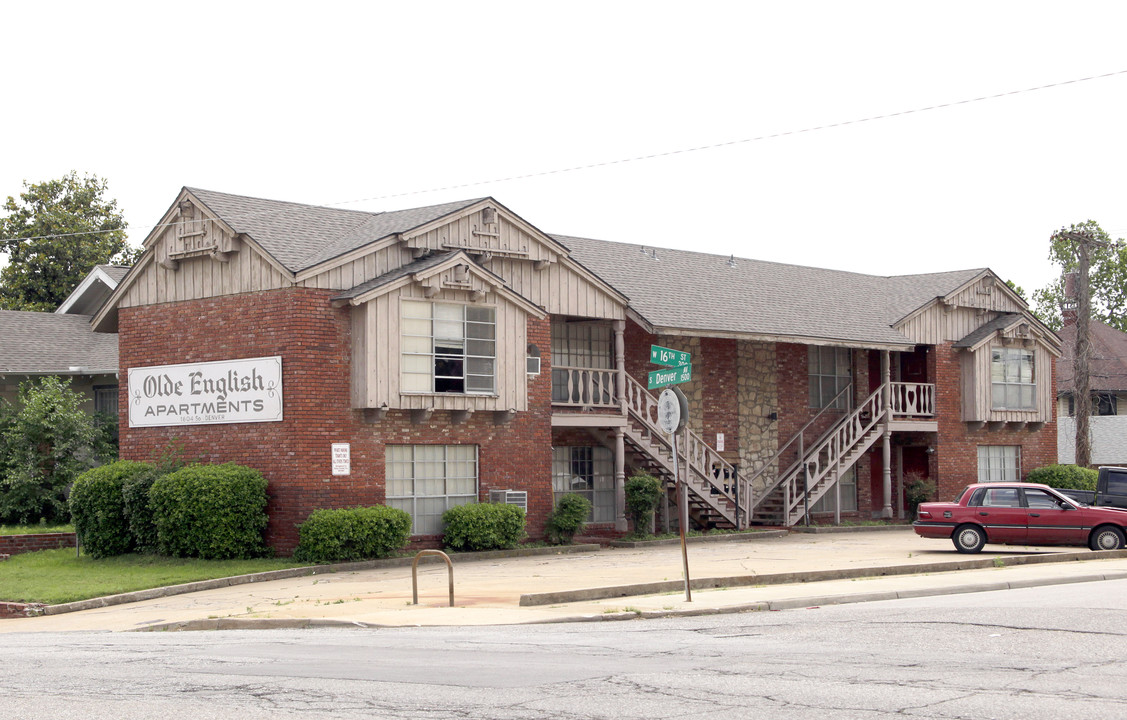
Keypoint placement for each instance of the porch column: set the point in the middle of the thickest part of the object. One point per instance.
(619, 480)
(620, 361)
(886, 392)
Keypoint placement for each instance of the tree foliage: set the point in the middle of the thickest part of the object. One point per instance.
(46, 441)
(1107, 278)
(54, 235)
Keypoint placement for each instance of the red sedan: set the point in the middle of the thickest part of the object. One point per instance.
(1020, 514)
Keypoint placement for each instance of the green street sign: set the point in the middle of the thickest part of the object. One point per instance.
(667, 356)
(670, 376)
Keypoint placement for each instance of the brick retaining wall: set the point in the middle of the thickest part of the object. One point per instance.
(16, 544)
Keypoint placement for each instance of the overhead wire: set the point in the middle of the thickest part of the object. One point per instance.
(656, 155)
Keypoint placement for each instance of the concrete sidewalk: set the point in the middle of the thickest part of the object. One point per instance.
(769, 571)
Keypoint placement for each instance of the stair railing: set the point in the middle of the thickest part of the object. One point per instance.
(707, 467)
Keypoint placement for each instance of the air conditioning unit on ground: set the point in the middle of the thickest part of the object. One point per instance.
(510, 497)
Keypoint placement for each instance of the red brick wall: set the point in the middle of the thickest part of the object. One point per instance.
(314, 341)
(955, 463)
(16, 544)
(721, 395)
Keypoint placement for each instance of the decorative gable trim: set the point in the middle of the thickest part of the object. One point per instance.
(487, 229)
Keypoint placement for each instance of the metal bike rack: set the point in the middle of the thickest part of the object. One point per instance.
(415, 574)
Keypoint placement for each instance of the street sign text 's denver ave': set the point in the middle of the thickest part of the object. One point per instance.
(679, 367)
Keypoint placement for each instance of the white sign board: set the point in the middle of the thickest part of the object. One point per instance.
(342, 459)
(719, 442)
(209, 393)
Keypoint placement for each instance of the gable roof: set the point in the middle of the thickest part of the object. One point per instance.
(302, 236)
(983, 333)
(40, 343)
(90, 294)
(679, 290)
(1107, 368)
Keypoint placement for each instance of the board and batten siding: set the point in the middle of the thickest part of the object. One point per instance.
(559, 289)
(376, 356)
(471, 232)
(203, 277)
(976, 389)
(939, 324)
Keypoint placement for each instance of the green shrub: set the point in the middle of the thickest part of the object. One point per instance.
(917, 489)
(210, 512)
(46, 442)
(138, 508)
(483, 526)
(1067, 477)
(565, 522)
(352, 534)
(643, 492)
(97, 506)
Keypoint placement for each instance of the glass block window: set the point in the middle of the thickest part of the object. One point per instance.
(829, 372)
(427, 480)
(1011, 379)
(586, 471)
(848, 482)
(448, 348)
(999, 463)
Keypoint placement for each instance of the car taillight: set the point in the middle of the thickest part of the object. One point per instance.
(924, 514)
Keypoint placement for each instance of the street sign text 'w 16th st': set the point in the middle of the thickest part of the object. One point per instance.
(679, 367)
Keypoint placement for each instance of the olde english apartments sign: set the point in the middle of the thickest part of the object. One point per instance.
(209, 393)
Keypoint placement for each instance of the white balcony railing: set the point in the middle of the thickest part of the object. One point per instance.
(913, 400)
(584, 387)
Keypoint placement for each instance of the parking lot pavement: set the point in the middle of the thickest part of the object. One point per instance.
(754, 573)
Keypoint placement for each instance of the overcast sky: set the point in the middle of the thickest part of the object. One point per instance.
(379, 105)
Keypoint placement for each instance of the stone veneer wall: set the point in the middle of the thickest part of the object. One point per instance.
(758, 397)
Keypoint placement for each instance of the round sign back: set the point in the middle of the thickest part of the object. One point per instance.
(668, 411)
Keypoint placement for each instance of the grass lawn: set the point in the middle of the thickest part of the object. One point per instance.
(57, 576)
(34, 529)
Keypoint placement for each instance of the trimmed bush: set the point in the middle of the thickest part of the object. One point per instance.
(642, 495)
(97, 507)
(483, 526)
(213, 512)
(1067, 477)
(352, 534)
(569, 517)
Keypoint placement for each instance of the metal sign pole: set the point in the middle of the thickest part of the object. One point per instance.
(682, 515)
(685, 517)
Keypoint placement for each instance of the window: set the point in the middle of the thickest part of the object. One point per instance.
(829, 375)
(427, 480)
(999, 463)
(448, 348)
(578, 345)
(586, 471)
(105, 399)
(1011, 379)
(1001, 497)
(1102, 404)
(848, 482)
(1039, 499)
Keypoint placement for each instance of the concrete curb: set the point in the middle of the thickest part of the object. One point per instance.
(726, 537)
(655, 588)
(154, 593)
(833, 529)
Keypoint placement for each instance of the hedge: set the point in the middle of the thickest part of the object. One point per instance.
(1067, 477)
(483, 526)
(210, 511)
(97, 507)
(352, 534)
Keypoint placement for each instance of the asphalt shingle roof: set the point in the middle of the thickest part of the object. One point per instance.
(981, 333)
(40, 342)
(698, 291)
(302, 236)
(1107, 367)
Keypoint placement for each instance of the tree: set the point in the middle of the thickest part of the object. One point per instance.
(54, 235)
(46, 441)
(1107, 277)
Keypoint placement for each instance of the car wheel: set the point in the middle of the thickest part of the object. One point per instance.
(969, 538)
(1106, 537)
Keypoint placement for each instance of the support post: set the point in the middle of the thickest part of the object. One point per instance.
(620, 481)
(886, 449)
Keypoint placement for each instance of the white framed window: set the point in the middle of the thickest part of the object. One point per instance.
(829, 372)
(999, 463)
(578, 345)
(448, 348)
(586, 471)
(427, 480)
(1011, 379)
(848, 482)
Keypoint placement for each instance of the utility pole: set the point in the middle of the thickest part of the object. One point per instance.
(1083, 350)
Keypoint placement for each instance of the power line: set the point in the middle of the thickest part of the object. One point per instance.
(667, 153)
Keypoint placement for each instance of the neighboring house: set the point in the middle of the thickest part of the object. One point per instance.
(1107, 384)
(63, 343)
(456, 353)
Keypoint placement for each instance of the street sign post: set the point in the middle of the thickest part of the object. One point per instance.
(669, 357)
(670, 376)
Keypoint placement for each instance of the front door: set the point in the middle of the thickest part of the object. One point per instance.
(1049, 523)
